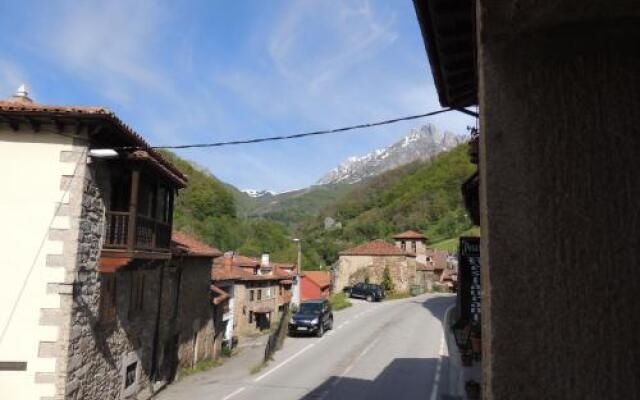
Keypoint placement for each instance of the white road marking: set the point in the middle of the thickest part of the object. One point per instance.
(230, 395)
(307, 347)
(436, 378)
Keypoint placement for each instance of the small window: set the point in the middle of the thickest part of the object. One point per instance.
(137, 293)
(130, 374)
(259, 294)
(251, 317)
(280, 290)
(403, 244)
(251, 295)
(107, 298)
(413, 246)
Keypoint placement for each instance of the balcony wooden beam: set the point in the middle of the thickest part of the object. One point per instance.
(133, 209)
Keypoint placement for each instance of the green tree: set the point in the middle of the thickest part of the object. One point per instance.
(387, 282)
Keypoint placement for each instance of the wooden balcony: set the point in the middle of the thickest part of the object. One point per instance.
(145, 237)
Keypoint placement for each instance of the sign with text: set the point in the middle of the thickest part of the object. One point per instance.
(469, 297)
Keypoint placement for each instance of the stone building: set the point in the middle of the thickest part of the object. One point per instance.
(195, 335)
(413, 242)
(90, 275)
(254, 293)
(369, 260)
(556, 85)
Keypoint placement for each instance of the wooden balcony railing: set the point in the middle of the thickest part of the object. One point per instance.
(149, 234)
(117, 228)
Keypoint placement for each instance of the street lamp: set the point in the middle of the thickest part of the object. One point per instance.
(298, 269)
(299, 242)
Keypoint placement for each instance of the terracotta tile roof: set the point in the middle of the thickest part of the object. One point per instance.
(239, 270)
(410, 235)
(376, 248)
(321, 278)
(219, 273)
(190, 246)
(241, 261)
(130, 136)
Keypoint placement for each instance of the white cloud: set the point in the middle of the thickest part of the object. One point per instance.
(107, 44)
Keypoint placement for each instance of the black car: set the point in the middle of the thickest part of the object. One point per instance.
(368, 291)
(313, 316)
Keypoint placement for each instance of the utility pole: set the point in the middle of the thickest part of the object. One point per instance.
(298, 269)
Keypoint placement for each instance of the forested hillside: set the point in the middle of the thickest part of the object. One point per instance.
(421, 195)
(208, 209)
(292, 207)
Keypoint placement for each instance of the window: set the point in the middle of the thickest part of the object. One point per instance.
(281, 290)
(403, 244)
(251, 317)
(251, 295)
(107, 311)
(413, 246)
(130, 375)
(259, 294)
(136, 301)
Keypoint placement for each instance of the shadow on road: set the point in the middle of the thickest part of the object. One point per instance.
(437, 306)
(402, 379)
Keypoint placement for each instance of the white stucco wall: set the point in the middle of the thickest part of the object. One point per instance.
(32, 166)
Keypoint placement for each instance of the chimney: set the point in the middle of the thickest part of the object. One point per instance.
(21, 95)
(227, 262)
(264, 264)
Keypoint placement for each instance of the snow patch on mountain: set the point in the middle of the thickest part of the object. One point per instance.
(259, 193)
(419, 144)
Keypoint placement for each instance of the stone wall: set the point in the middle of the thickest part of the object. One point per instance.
(243, 306)
(401, 268)
(98, 352)
(195, 312)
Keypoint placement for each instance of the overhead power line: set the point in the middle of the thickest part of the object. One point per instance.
(299, 135)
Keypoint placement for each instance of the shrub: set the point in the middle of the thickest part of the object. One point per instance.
(339, 301)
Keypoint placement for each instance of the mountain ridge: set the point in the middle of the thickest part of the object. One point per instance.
(419, 144)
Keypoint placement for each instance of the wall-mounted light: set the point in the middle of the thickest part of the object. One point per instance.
(103, 153)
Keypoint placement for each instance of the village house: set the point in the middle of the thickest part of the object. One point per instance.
(413, 242)
(368, 262)
(251, 294)
(195, 337)
(315, 285)
(89, 273)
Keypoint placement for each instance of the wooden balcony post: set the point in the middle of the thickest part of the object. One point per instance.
(133, 209)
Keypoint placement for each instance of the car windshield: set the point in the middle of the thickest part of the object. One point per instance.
(309, 308)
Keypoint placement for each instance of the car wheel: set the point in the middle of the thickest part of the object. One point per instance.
(369, 298)
(320, 330)
(330, 327)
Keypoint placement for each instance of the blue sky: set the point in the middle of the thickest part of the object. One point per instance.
(203, 71)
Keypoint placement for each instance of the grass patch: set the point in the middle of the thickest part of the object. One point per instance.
(397, 295)
(200, 366)
(339, 301)
(451, 245)
(439, 289)
(259, 367)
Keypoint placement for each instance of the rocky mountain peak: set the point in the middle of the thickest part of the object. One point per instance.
(421, 143)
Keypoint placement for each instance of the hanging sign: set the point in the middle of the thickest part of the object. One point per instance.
(469, 297)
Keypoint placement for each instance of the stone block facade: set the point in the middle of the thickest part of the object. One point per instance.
(249, 318)
(354, 268)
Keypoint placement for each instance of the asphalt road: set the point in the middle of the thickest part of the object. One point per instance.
(391, 350)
